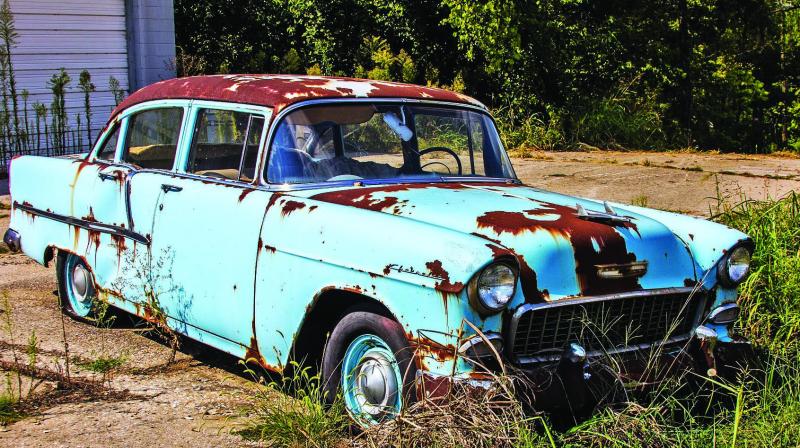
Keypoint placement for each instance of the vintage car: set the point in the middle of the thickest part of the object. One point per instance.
(374, 229)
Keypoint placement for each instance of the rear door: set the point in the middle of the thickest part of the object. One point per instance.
(206, 226)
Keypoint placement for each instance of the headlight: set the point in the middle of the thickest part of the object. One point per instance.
(494, 288)
(735, 266)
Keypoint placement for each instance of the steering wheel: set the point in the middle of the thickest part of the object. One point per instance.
(442, 149)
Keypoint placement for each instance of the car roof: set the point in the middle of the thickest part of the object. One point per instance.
(279, 91)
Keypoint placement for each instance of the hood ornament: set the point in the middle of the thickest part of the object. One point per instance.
(609, 216)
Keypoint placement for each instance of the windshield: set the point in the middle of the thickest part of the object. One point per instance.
(384, 141)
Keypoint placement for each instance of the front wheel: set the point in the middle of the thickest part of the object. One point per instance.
(76, 289)
(368, 360)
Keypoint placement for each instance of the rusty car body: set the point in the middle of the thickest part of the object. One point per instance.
(256, 213)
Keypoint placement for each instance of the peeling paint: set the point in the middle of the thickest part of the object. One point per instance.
(279, 91)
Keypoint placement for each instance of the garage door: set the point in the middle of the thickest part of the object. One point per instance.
(86, 34)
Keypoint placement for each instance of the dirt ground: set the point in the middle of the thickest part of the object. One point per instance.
(198, 401)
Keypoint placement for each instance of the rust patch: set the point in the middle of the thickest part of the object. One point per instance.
(90, 217)
(433, 387)
(387, 269)
(119, 243)
(445, 286)
(312, 208)
(279, 91)
(424, 347)
(480, 235)
(271, 249)
(94, 238)
(253, 353)
(584, 235)
(362, 197)
(291, 206)
(245, 192)
(272, 200)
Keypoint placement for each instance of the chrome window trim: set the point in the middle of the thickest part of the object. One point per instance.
(194, 109)
(414, 101)
(522, 309)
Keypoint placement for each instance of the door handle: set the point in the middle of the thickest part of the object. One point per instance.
(106, 176)
(167, 188)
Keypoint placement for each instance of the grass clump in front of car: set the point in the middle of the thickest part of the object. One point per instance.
(292, 412)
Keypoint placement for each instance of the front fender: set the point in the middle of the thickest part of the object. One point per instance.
(419, 274)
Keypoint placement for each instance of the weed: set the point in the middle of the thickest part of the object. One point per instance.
(9, 412)
(640, 200)
(696, 168)
(103, 364)
(150, 282)
(292, 412)
(647, 162)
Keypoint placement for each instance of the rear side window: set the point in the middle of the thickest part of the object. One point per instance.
(153, 138)
(225, 144)
(109, 148)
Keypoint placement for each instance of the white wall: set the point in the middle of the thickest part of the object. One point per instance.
(76, 35)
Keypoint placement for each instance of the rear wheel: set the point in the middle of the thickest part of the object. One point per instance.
(76, 289)
(368, 360)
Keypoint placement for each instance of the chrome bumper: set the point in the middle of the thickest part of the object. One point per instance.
(12, 239)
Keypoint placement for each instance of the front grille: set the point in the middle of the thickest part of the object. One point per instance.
(603, 324)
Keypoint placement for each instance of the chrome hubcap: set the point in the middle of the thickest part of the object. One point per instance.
(376, 385)
(371, 381)
(80, 283)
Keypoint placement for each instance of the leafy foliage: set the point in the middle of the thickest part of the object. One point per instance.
(638, 74)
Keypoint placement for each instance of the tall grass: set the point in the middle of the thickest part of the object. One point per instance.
(770, 298)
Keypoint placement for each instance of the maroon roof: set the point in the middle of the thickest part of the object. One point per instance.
(279, 91)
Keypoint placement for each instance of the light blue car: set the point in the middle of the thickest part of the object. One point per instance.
(376, 230)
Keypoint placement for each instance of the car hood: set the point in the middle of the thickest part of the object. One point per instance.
(558, 249)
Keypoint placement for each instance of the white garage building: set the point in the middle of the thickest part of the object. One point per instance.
(131, 40)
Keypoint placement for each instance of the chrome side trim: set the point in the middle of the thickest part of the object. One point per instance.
(521, 310)
(82, 223)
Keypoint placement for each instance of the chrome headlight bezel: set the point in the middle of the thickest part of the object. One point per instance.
(489, 305)
(729, 267)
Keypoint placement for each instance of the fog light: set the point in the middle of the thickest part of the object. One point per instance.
(724, 314)
(476, 347)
